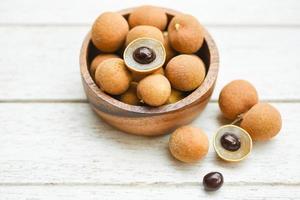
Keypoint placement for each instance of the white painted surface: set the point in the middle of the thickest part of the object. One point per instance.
(54, 147)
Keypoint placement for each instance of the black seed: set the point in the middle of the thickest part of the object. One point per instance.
(230, 142)
(213, 181)
(144, 55)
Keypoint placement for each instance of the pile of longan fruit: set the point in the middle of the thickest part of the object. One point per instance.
(178, 72)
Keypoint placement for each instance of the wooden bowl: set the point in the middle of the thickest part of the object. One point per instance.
(145, 120)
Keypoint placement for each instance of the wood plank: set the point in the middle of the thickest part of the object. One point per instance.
(42, 62)
(157, 192)
(66, 143)
(209, 12)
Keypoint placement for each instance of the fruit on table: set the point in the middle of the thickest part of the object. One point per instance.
(262, 121)
(236, 98)
(213, 181)
(188, 144)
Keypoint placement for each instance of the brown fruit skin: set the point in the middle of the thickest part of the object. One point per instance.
(188, 144)
(98, 59)
(137, 77)
(175, 96)
(185, 72)
(144, 31)
(130, 96)
(148, 15)
(237, 97)
(262, 122)
(154, 90)
(170, 52)
(186, 34)
(109, 32)
(112, 76)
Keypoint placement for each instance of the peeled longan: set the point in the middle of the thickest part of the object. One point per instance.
(130, 96)
(109, 32)
(144, 31)
(112, 76)
(98, 59)
(148, 15)
(186, 34)
(188, 144)
(170, 52)
(262, 122)
(185, 72)
(154, 90)
(236, 98)
(136, 76)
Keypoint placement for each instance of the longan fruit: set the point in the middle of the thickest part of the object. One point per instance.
(97, 60)
(112, 76)
(154, 90)
(136, 76)
(236, 98)
(148, 15)
(170, 52)
(175, 96)
(185, 72)
(144, 31)
(130, 96)
(186, 34)
(109, 32)
(188, 144)
(262, 122)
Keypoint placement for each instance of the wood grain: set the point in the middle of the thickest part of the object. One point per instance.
(157, 192)
(249, 53)
(243, 13)
(67, 143)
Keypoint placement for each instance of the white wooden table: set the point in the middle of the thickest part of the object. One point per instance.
(52, 146)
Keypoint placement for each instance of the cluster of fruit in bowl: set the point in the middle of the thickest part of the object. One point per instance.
(147, 60)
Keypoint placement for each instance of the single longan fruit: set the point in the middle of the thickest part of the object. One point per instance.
(112, 76)
(188, 144)
(170, 52)
(154, 90)
(136, 76)
(237, 97)
(130, 96)
(262, 122)
(175, 96)
(109, 32)
(148, 15)
(98, 59)
(185, 72)
(186, 34)
(144, 31)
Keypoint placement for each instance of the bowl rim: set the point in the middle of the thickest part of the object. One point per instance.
(195, 96)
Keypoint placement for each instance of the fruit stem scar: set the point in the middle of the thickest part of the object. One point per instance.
(238, 119)
(177, 26)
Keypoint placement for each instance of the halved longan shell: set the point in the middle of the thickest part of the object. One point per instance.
(233, 156)
(153, 44)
